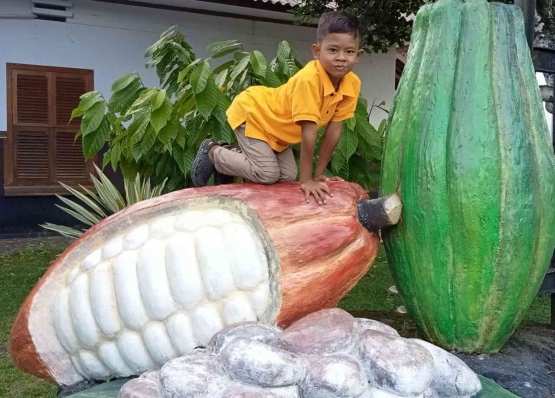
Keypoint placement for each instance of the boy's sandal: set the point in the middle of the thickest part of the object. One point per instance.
(203, 168)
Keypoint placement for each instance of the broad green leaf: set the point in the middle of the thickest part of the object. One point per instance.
(351, 123)
(367, 131)
(188, 159)
(137, 128)
(223, 102)
(77, 135)
(208, 99)
(200, 76)
(122, 100)
(223, 67)
(124, 81)
(259, 63)
(168, 133)
(228, 135)
(218, 46)
(106, 158)
(220, 115)
(221, 78)
(160, 116)
(128, 169)
(116, 154)
(187, 105)
(141, 149)
(271, 79)
(240, 67)
(183, 55)
(93, 117)
(337, 162)
(181, 138)
(85, 104)
(157, 98)
(382, 127)
(347, 144)
(223, 53)
(367, 151)
(94, 141)
(184, 158)
(284, 49)
(187, 69)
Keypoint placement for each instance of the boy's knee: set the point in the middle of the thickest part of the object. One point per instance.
(267, 177)
(288, 175)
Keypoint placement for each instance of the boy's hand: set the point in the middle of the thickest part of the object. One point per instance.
(317, 189)
(325, 178)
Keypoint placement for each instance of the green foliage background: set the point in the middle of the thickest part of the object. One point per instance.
(155, 131)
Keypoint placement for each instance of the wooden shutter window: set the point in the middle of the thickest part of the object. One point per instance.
(32, 160)
(41, 150)
(68, 90)
(31, 99)
(71, 168)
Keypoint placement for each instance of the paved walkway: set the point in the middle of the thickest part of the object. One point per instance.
(10, 246)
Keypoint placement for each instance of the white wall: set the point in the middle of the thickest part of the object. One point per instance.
(111, 39)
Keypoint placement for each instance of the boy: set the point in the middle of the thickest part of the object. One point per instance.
(267, 121)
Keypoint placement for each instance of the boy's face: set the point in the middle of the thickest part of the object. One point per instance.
(338, 53)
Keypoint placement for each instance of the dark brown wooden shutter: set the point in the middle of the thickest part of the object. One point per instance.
(32, 155)
(42, 150)
(70, 165)
(31, 99)
(68, 89)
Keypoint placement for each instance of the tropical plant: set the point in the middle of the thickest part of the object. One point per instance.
(107, 200)
(155, 131)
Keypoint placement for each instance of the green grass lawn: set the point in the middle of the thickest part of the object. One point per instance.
(19, 272)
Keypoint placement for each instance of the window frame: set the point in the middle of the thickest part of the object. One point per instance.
(11, 187)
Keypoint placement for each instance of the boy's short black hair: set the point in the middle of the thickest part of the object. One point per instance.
(338, 22)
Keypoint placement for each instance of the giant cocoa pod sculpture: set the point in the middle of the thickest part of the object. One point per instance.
(163, 276)
(469, 153)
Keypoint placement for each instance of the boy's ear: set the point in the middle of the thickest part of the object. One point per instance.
(316, 51)
(359, 54)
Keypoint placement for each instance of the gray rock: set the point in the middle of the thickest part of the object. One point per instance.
(394, 364)
(329, 331)
(363, 325)
(239, 390)
(260, 364)
(145, 386)
(196, 374)
(248, 330)
(377, 393)
(334, 376)
(452, 378)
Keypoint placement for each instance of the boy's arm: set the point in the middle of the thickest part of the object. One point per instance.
(308, 185)
(331, 138)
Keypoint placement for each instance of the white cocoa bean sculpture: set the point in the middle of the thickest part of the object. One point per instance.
(327, 354)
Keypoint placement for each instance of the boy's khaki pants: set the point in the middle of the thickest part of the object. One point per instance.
(257, 162)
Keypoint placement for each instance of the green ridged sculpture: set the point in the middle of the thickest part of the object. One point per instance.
(469, 153)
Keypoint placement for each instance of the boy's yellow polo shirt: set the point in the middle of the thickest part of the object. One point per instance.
(271, 114)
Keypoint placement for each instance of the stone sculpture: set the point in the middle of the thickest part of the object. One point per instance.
(327, 354)
(469, 153)
(160, 278)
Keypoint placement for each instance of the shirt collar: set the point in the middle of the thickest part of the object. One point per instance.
(346, 87)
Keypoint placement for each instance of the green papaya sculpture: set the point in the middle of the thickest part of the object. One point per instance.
(469, 153)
